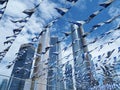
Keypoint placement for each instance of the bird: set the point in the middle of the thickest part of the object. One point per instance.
(73, 1)
(93, 41)
(29, 12)
(51, 23)
(118, 49)
(56, 53)
(9, 41)
(93, 15)
(21, 20)
(106, 3)
(3, 1)
(1, 12)
(14, 36)
(9, 66)
(85, 34)
(79, 23)
(5, 50)
(67, 33)
(34, 39)
(101, 46)
(110, 20)
(99, 57)
(97, 25)
(48, 47)
(109, 53)
(17, 30)
(61, 11)
(41, 33)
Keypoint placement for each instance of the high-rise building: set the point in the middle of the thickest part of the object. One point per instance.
(55, 74)
(22, 67)
(82, 68)
(68, 77)
(39, 76)
(3, 85)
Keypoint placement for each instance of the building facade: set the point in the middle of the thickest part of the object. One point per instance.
(39, 79)
(3, 85)
(55, 74)
(82, 68)
(68, 77)
(22, 68)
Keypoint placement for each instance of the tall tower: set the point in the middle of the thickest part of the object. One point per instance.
(3, 85)
(54, 71)
(68, 77)
(82, 68)
(22, 68)
(40, 65)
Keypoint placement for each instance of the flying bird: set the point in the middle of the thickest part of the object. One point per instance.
(109, 53)
(110, 20)
(9, 66)
(62, 11)
(48, 47)
(3, 1)
(118, 49)
(56, 53)
(13, 36)
(73, 1)
(106, 3)
(1, 12)
(93, 15)
(5, 50)
(9, 41)
(21, 20)
(67, 33)
(29, 12)
(79, 23)
(17, 30)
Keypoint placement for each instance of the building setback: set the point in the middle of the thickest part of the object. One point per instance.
(22, 68)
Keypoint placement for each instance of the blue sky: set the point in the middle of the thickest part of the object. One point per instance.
(80, 11)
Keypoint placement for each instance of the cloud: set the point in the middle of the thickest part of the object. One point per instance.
(34, 25)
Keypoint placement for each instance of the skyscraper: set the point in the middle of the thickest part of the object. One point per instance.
(54, 71)
(68, 77)
(3, 85)
(22, 67)
(82, 68)
(40, 65)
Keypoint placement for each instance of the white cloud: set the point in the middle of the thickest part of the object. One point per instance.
(35, 23)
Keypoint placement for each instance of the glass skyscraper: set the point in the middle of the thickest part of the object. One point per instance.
(54, 71)
(82, 68)
(3, 85)
(68, 77)
(22, 68)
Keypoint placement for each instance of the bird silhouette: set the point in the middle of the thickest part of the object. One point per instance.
(29, 12)
(73, 1)
(3, 1)
(109, 53)
(61, 11)
(13, 36)
(79, 23)
(106, 3)
(67, 33)
(21, 20)
(5, 50)
(93, 15)
(9, 41)
(17, 30)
